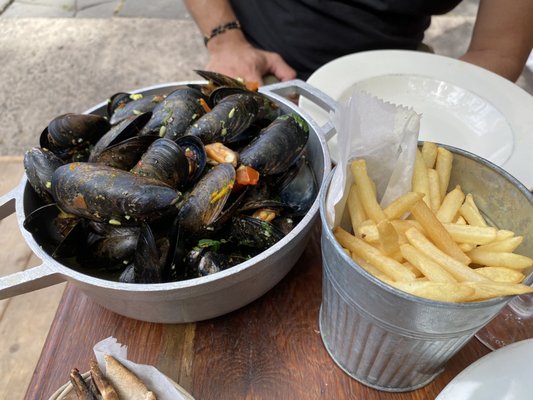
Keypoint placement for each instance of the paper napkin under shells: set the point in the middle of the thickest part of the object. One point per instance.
(386, 136)
(155, 380)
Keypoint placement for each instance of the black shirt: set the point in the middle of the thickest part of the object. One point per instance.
(309, 33)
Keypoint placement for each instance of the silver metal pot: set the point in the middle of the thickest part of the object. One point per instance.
(195, 299)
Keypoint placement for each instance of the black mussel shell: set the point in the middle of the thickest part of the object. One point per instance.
(139, 104)
(147, 267)
(40, 165)
(195, 152)
(278, 146)
(166, 161)
(255, 233)
(126, 129)
(125, 154)
(176, 113)
(68, 132)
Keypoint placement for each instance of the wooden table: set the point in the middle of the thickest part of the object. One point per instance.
(270, 349)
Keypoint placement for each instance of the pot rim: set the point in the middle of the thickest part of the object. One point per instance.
(234, 274)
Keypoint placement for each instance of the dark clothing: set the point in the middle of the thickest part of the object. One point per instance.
(309, 33)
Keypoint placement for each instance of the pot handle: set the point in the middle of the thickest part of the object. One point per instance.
(7, 203)
(28, 280)
(298, 87)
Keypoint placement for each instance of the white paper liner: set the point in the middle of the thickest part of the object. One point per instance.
(382, 133)
(155, 380)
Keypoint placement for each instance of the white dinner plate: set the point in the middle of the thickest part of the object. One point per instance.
(505, 374)
(462, 105)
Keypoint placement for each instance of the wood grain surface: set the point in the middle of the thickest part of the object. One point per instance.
(270, 349)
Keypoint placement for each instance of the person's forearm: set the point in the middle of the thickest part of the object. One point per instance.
(503, 37)
(230, 53)
(209, 14)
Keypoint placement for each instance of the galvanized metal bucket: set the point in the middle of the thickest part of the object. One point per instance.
(396, 342)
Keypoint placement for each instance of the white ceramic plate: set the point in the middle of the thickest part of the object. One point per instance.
(504, 374)
(462, 105)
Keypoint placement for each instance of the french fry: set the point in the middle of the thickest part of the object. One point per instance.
(471, 213)
(368, 231)
(429, 268)
(466, 247)
(355, 208)
(438, 291)
(371, 269)
(460, 220)
(499, 274)
(420, 179)
(450, 205)
(504, 234)
(401, 226)
(500, 259)
(434, 190)
(428, 254)
(388, 238)
(436, 231)
(365, 190)
(489, 290)
(415, 270)
(461, 272)
(401, 205)
(507, 245)
(443, 166)
(471, 234)
(429, 153)
(387, 265)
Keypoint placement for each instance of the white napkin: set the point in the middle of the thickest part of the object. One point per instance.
(155, 380)
(386, 136)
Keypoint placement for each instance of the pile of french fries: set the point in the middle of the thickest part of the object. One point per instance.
(429, 242)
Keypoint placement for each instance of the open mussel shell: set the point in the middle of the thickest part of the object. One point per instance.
(118, 100)
(254, 233)
(205, 262)
(219, 93)
(196, 155)
(60, 234)
(147, 266)
(125, 154)
(72, 131)
(207, 198)
(39, 165)
(299, 188)
(215, 80)
(110, 246)
(126, 129)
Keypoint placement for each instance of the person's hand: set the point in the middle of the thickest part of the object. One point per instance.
(231, 54)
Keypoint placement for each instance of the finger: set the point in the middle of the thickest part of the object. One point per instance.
(277, 66)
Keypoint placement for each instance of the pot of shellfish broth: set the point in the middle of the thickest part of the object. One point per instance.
(215, 287)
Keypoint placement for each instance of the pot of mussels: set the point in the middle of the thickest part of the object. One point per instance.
(174, 203)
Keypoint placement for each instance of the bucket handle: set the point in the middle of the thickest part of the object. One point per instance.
(28, 280)
(283, 90)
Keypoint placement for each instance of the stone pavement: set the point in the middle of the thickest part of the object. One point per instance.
(61, 56)
(168, 9)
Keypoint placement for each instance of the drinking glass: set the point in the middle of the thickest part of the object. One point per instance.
(512, 324)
